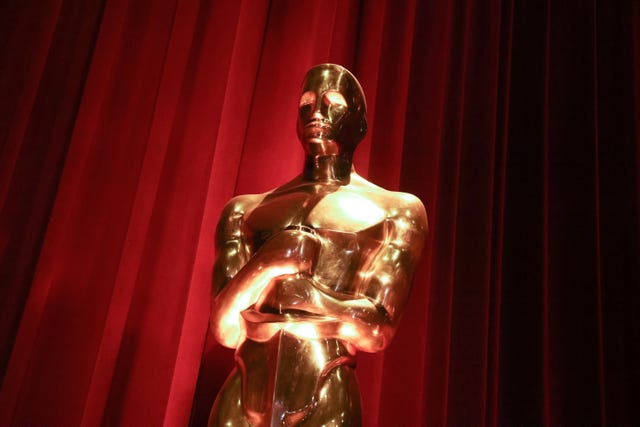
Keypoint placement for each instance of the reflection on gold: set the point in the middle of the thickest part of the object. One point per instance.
(311, 272)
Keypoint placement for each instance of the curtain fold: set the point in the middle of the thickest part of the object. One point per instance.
(127, 125)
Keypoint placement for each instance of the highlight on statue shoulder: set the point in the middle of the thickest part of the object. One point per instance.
(311, 272)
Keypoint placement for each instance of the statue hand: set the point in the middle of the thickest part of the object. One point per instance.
(294, 295)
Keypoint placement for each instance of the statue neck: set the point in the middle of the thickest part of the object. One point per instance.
(334, 169)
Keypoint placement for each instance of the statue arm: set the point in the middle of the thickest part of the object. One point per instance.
(232, 251)
(232, 254)
(241, 276)
(386, 281)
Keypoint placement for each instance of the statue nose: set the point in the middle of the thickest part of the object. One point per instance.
(318, 112)
(318, 109)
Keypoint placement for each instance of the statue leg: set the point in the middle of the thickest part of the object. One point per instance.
(338, 401)
(227, 409)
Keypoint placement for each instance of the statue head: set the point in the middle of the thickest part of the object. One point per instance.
(332, 111)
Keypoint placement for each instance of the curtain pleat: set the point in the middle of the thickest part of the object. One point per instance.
(496, 273)
(164, 112)
(41, 93)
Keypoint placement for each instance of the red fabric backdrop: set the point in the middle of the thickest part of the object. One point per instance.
(125, 126)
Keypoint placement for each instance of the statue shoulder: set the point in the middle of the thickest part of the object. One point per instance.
(407, 209)
(239, 205)
(232, 216)
(399, 206)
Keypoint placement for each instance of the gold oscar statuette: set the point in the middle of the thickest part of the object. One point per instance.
(311, 272)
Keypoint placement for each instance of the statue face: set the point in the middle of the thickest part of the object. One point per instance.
(331, 113)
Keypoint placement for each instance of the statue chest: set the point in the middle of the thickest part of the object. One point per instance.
(350, 226)
(343, 210)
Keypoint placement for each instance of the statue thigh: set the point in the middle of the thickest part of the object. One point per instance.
(338, 401)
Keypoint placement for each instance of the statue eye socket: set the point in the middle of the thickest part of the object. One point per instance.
(334, 99)
(307, 98)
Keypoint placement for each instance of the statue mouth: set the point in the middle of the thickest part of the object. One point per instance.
(323, 124)
(318, 129)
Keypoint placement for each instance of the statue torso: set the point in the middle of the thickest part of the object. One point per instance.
(350, 220)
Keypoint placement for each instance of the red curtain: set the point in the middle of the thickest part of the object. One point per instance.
(126, 125)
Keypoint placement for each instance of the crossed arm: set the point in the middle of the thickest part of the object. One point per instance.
(281, 275)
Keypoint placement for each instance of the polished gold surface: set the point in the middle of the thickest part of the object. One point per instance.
(311, 272)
